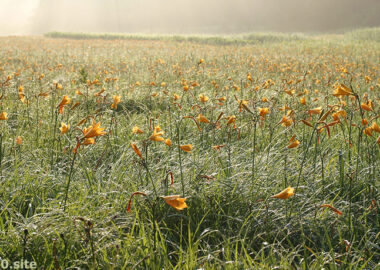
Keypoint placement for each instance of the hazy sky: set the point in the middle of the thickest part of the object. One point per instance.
(20, 17)
(15, 15)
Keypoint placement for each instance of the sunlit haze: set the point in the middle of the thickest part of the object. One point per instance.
(20, 17)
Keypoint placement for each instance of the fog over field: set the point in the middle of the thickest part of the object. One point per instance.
(185, 16)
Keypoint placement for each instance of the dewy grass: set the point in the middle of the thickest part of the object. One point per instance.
(226, 201)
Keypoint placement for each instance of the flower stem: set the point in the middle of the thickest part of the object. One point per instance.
(69, 180)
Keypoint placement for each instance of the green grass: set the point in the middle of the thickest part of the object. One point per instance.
(366, 34)
(241, 39)
(231, 221)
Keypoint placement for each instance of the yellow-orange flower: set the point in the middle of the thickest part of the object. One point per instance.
(21, 95)
(218, 147)
(65, 100)
(64, 128)
(137, 130)
(201, 118)
(187, 147)
(203, 98)
(93, 131)
(317, 110)
(231, 119)
(136, 149)
(366, 107)
(290, 92)
(342, 90)
(284, 108)
(168, 142)
(3, 116)
(285, 194)
(286, 121)
(19, 140)
(175, 201)
(303, 100)
(342, 113)
(368, 131)
(375, 127)
(116, 100)
(222, 99)
(294, 144)
(88, 141)
(263, 111)
(157, 135)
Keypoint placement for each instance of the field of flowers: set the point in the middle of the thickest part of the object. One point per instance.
(162, 154)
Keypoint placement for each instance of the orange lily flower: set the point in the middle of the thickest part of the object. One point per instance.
(137, 130)
(286, 121)
(19, 140)
(294, 144)
(187, 147)
(168, 142)
(88, 141)
(175, 201)
(375, 127)
(65, 100)
(317, 110)
(201, 118)
(263, 111)
(93, 131)
(156, 136)
(116, 100)
(64, 128)
(203, 98)
(342, 90)
(368, 131)
(366, 107)
(137, 151)
(285, 194)
(3, 116)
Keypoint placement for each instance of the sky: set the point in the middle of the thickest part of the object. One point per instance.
(23, 17)
(15, 16)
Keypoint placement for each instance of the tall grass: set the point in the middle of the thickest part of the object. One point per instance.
(63, 209)
(366, 34)
(241, 39)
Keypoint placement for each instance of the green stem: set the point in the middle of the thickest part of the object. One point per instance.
(69, 180)
(180, 160)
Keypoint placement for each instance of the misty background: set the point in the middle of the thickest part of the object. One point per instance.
(20, 17)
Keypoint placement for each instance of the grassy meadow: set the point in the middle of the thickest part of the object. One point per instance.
(260, 151)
